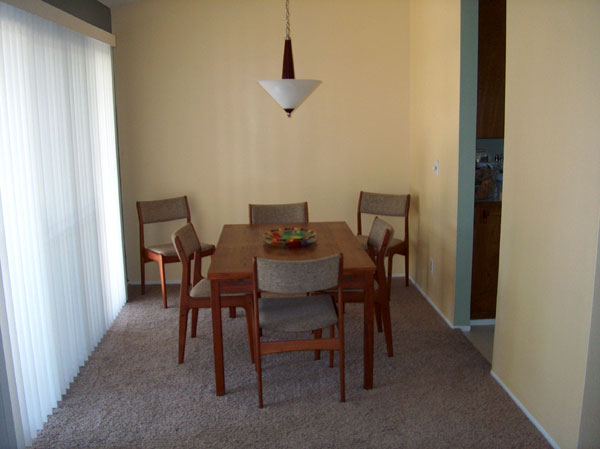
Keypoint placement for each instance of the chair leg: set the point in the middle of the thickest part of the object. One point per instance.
(389, 273)
(232, 312)
(183, 318)
(194, 321)
(143, 273)
(342, 370)
(199, 262)
(248, 309)
(163, 285)
(378, 316)
(259, 380)
(331, 335)
(406, 268)
(257, 365)
(318, 334)
(387, 328)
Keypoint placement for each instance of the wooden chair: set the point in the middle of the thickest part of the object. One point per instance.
(377, 245)
(307, 310)
(156, 212)
(391, 206)
(197, 295)
(278, 213)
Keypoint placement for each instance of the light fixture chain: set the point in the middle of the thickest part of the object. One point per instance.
(287, 19)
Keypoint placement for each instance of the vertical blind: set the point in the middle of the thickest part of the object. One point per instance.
(61, 251)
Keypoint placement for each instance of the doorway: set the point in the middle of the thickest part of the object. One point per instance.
(488, 179)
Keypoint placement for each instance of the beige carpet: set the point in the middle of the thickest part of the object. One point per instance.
(435, 393)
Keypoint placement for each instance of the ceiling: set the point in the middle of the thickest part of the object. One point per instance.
(117, 3)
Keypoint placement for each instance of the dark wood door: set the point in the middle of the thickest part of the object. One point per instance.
(491, 67)
(486, 251)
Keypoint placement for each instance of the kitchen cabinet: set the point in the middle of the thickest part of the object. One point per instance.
(491, 67)
(486, 251)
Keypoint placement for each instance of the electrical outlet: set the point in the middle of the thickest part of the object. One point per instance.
(431, 265)
(436, 168)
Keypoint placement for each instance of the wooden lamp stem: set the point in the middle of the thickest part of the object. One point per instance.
(288, 61)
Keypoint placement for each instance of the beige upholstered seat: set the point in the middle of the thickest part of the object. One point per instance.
(202, 290)
(363, 241)
(296, 313)
(157, 212)
(166, 249)
(391, 206)
(278, 213)
(189, 248)
(306, 312)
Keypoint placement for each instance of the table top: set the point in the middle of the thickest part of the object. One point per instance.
(239, 243)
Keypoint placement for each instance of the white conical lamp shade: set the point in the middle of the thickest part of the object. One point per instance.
(289, 93)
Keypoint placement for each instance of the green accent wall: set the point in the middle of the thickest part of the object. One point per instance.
(469, 18)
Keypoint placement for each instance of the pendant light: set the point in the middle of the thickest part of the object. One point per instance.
(288, 91)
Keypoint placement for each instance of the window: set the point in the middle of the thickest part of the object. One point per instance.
(61, 250)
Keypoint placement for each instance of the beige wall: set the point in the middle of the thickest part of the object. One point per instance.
(551, 209)
(193, 120)
(589, 431)
(434, 124)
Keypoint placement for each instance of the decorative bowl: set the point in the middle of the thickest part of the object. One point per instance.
(290, 237)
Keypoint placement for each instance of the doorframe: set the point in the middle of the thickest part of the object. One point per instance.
(467, 135)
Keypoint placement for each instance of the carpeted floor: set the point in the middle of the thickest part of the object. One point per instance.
(436, 392)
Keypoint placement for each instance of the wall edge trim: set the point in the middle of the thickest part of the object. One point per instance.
(537, 425)
(154, 283)
(488, 322)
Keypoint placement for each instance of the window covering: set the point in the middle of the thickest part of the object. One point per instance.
(61, 249)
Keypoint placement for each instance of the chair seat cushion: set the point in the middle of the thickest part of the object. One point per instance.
(297, 313)
(202, 290)
(392, 244)
(397, 246)
(167, 249)
(204, 247)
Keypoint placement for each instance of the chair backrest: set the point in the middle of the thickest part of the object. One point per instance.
(186, 242)
(297, 276)
(278, 213)
(163, 210)
(386, 204)
(380, 236)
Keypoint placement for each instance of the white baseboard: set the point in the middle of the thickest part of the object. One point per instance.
(432, 304)
(493, 374)
(153, 283)
(524, 410)
(490, 322)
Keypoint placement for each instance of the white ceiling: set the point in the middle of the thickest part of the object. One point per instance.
(117, 3)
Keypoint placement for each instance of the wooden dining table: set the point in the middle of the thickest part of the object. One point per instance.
(231, 272)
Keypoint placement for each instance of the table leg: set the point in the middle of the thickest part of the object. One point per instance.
(368, 338)
(215, 305)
